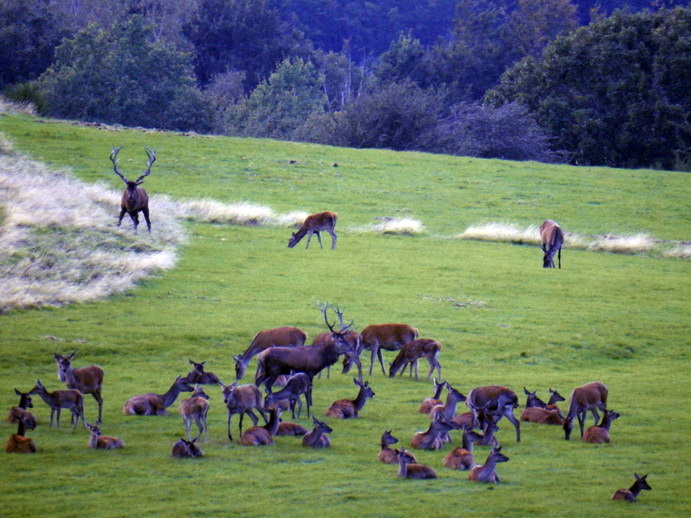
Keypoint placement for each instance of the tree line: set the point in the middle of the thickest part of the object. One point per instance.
(544, 80)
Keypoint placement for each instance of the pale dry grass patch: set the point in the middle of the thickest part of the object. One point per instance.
(13, 107)
(502, 232)
(242, 213)
(408, 226)
(681, 251)
(623, 244)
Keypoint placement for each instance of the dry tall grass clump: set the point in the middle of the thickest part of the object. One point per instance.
(409, 226)
(241, 213)
(623, 244)
(7, 106)
(502, 232)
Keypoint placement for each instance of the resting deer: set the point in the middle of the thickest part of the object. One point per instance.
(70, 399)
(387, 454)
(156, 404)
(20, 415)
(411, 352)
(195, 409)
(285, 428)
(87, 380)
(20, 444)
(462, 457)
(552, 240)
(198, 376)
(102, 442)
(430, 402)
(390, 337)
(134, 198)
(537, 411)
(494, 401)
(184, 449)
(630, 494)
(317, 438)
(486, 472)
(276, 337)
(347, 408)
(589, 397)
(434, 437)
(263, 435)
(296, 385)
(600, 433)
(243, 400)
(409, 469)
(314, 224)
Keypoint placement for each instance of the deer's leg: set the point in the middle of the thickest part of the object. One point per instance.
(122, 215)
(99, 400)
(135, 219)
(381, 360)
(230, 415)
(333, 238)
(319, 237)
(309, 238)
(145, 210)
(508, 413)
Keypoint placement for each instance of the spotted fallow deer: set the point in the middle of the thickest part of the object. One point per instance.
(589, 397)
(314, 224)
(87, 380)
(630, 494)
(134, 197)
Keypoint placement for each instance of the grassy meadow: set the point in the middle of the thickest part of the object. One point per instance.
(622, 319)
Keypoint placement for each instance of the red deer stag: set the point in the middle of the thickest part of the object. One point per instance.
(296, 385)
(198, 376)
(390, 337)
(317, 437)
(407, 468)
(462, 457)
(314, 224)
(102, 442)
(243, 400)
(600, 433)
(184, 449)
(486, 472)
(195, 409)
(70, 399)
(349, 408)
(263, 435)
(430, 402)
(552, 240)
(588, 397)
(631, 493)
(87, 380)
(277, 337)
(411, 352)
(352, 357)
(134, 198)
(492, 402)
(20, 415)
(156, 404)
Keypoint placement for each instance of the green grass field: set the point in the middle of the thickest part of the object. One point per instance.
(622, 319)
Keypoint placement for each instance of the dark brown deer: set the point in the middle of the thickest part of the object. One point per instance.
(462, 457)
(631, 494)
(589, 397)
(487, 471)
(156, 404)
(411, 352)
(243, 399)
(390, 337)
(494, 402)
(195, 409)
(298, 384)
(600, 433)
(19, 414)
(184, 449)
(134, 197)
(350, 408)
(276, 337)
(70, 399)
(198, 376)
(87, 380)
(314, 224)
(352, 357)
(430, 402)
(407, 468)
(263, 435)
(97, 441)
(552, 240)
(317, 437)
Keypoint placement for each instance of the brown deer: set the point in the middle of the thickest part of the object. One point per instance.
(317, 438)
(184, 449)
(20, 415)
(388, 455)
(314, 224)
(486, 472)
(87, 380)
(20, 444)
(600, 433)
(276, 337)
(537, 411)
(449, 407)
(243, 400)
(350, 408)
(434, 400)
(552, 240)
(352, 357)
(298, 384)
(263, 435)
(70, 399)
(630, 494)
(407, 468)
(285, 428)
(411, 352)
(102, 442)
(433, 437)
(390, 337)
(196, 408)
(462, 457)
(134, 197)
(156, 404)
(198, 376)
(589, 397)
(494, 401)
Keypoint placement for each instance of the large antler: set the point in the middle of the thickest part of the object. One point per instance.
(323, 307)
(114, 159)
(151, 153)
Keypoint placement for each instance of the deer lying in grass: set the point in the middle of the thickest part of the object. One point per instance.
(134, 198)
(295, 386)
(317, 438)
(102, 442)
(70, 399)
(390, 337)
(411, 352)
(87, 380)
(537, 411)
(494, 401)
(434, 437)
(589, 397)
(434, 400)
(285, 428)
(263, 340)
(409, 469)
(388, 455)
(600, 433)
(486, 472)
(263, 435)
(631, 494)
(195, 409)
(243, 399)
(184, 449)
(449, 408)
(20, 444)
(156, 404)
(20, 415)
(462, 457)
(350, 408)
(198, 376)
(314, 224)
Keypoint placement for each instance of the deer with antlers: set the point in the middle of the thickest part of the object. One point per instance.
(134, 197)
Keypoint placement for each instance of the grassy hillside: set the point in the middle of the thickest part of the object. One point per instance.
(502, 319)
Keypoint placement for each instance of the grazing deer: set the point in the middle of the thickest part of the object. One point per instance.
(411, 352)
(462, 457)
(263, 435)
(348, 408)
(20, 444)
(317, 438)
(430, 402)
(70, 399)
(156, 404)
(134, 198)
(390, 337)
(198, 376)
(552, 240)
(184, 449)
(87, 380)
(494, 401)
(314, 224)
(388, 455)
(195, 408)
(102, 442)
(277, 337)
(486, 472)
(296, 385)
(600, 433)
(433, 437)
(409, 469)
(591, 396)
(630, 494)
(243, 400)
(20, 415)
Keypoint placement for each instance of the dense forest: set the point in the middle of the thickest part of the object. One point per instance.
(586, 82)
